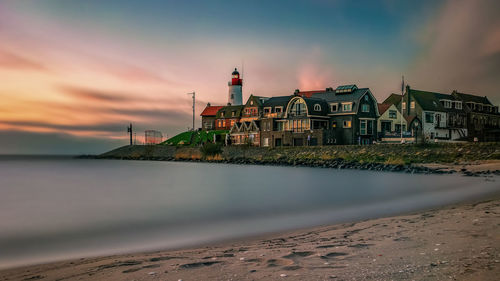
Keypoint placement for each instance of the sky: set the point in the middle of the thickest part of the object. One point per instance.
(74, 74)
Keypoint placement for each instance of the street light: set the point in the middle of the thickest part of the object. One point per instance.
(193, 94)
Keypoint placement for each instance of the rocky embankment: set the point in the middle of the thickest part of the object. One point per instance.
(452, 158)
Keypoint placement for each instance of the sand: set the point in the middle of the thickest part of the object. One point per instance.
(460, 242)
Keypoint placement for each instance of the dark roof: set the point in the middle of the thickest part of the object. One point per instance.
(228, 111)
(382, 107)
(278, 101)
(260, 100)
(308, 94)
(330, 97)
(392, 99)
(427, 100)
(211, 110)
(311, 102)
(472, 98)
(346, 88)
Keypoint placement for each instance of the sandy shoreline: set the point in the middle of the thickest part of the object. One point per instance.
(459, 242)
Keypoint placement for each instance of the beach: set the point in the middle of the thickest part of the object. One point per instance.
(457, 242)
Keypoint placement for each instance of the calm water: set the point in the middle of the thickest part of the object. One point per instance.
(59, 208)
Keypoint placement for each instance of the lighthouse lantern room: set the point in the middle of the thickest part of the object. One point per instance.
(235, 96)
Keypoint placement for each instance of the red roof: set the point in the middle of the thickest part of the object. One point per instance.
(382, 107)
(211, 110)
(309, 94)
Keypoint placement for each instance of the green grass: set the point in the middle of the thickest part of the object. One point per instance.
(199, 137)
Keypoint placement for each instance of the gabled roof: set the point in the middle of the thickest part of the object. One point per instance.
(472, 98)
(228, 111)
(427, 100)
(392, 99)
(211, 110)
(258, 99)
(382, 107)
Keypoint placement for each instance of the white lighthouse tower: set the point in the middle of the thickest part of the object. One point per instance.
(235, 96)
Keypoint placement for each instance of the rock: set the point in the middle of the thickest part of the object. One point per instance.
(283, 275)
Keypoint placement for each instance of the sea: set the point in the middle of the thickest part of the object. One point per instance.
(57, 207)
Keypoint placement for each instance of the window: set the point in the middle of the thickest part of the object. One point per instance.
(404, 105)
(365, 108)
(232, 122)
(347, 106)
(278, 109)
(447, 104)
(267, 110)
(392, 114)
(412, 104)
(317, 107)
(334, 107)
(347, 124)
(298, 108)
(334, 124)
(251, 102)
(222, 114)
(362, 127)
(429, 117)
(233, 113)
(458, 105)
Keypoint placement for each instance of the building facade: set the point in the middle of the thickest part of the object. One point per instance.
(482, 117)
(208, 117)
(227, 116)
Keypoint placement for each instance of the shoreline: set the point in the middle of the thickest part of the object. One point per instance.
(472, 169)
(458, 241)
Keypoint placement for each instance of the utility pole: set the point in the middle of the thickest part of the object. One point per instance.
(129, 130)
(402, 110)
(193, 94)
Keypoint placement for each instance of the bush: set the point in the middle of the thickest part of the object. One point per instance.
(211, 149)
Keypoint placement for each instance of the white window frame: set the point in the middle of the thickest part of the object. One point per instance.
(458, 105)
(268, 108)
(276, 109)
(317, 107)
(365, 105)
(336, 107)
(344, 104)
(363, 121)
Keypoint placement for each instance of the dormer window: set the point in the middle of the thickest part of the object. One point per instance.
(447, 104)
(334, 107)
(222, 114)
(278, 109)
(317, 107)
(347, 106)
(458, 105)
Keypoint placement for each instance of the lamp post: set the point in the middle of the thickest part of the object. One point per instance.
(193, 94)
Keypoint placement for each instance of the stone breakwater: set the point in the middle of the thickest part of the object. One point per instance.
(394, 158)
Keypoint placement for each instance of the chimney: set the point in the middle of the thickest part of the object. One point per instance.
(208, 104)
(297, 91)
(228, 104)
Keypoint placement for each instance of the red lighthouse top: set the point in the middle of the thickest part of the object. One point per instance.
(235, 78)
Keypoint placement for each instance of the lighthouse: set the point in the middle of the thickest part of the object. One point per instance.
(235, 96)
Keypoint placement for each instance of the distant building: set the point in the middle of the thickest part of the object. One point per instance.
(390, 122)
(208, 117)
(227, 116)
(483, 119)
(152, 137)
(442, 115)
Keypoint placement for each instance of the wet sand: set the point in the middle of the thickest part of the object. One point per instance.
(460, 242)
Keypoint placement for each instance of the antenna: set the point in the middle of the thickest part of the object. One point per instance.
(193, 94)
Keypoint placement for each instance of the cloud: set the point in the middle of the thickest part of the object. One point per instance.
(12, 61)
(461, 49)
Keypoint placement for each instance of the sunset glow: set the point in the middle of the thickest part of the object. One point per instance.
(85, 69)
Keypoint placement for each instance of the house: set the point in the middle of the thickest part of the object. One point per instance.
(441, 115)
(390, 122)
(294, 121)
(227, 116)
(253, 108)
(245, 133)
(272, 122)
(482, 117)
(208, 116)
(352, 113)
